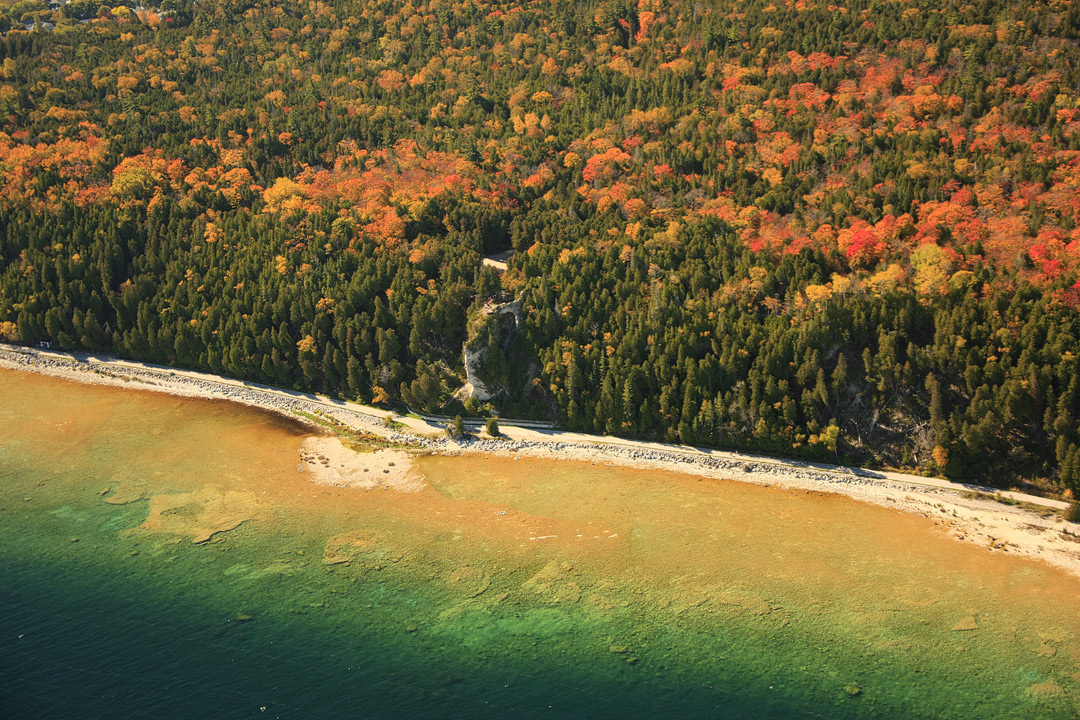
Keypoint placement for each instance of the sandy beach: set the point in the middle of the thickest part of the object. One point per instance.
(1034, 529)
(329, 462)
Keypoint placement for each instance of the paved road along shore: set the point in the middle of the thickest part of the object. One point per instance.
(421, 433)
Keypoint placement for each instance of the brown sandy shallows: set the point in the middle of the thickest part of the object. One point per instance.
(1041, 534)
(692, 548)
(486, 530)
(969, 517)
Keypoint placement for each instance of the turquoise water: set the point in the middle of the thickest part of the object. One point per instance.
(655, 596)
(96, 637)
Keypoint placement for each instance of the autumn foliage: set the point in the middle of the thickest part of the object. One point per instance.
(796, 175)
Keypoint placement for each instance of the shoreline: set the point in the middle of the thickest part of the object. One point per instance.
(964, 512)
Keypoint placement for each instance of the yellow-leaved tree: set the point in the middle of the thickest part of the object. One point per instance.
(932, 269)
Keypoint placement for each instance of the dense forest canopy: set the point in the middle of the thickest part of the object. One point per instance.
(840, 230)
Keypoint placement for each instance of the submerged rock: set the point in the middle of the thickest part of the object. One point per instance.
(553, 585)
(470, 580)
(601, 602)
(754, 604)
(965, 624)
(200, 514)
(125, 493)
(353, 545)
(1046, 689)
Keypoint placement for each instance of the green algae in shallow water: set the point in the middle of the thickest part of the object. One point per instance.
(522, 588)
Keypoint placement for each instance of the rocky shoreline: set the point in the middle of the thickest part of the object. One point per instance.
(187, 386)
(998, 526)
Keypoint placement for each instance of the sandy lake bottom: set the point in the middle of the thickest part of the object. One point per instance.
(165, 557)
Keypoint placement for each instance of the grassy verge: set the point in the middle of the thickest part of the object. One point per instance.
(355, 439)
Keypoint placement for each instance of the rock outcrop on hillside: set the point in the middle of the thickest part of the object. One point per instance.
(490, 333)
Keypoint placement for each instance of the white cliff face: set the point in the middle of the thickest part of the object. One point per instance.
(506, 317)
(474, 388)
